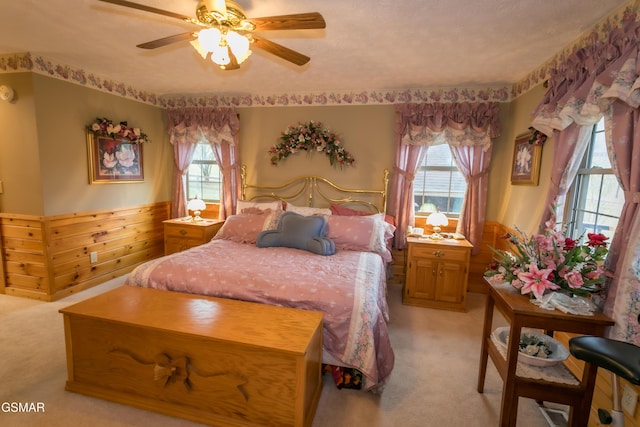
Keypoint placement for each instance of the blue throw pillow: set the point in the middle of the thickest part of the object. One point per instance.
(299, 232)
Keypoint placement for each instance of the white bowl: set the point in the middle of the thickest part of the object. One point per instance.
(558, 351)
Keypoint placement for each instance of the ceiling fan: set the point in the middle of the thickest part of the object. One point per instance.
(227, 34)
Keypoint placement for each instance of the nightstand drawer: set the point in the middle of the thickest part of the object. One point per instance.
(185, 232)
(449, 254)
(181, 235)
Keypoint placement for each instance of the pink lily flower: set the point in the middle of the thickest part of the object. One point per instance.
(536, 280)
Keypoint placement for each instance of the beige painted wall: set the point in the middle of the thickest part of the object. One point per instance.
(517, 205)
(43, 153)
(366, 131)
(19, 151)
(57, 117)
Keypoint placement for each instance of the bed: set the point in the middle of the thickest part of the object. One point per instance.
(348, 286)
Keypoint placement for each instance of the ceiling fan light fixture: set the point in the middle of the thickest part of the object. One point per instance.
(220, 55)
(210, 12)
(239, 45)
(219, 42)
(196, 45)
(209, 39)
(218, 6)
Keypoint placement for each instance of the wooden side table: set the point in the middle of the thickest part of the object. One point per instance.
(182, 234)
(437, 273)
(520, 312)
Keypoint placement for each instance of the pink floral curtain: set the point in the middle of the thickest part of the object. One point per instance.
(408, 159)
(624, 150)
(568, 151)
(603, 78)
(473, 162)
(217, 126)
(469, 127)
(184, 139)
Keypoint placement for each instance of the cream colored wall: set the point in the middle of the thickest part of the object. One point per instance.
(366, 131)
(57, 137)
(51, 127)
(517, 205)
(19, 151)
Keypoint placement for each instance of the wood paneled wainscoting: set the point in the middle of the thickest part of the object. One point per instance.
(48, 258)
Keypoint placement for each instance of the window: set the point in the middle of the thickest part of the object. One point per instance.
(438, 184)
(595, 199)
(203, 176)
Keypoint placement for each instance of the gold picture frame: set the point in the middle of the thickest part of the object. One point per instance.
(525, 168)
(114, 160)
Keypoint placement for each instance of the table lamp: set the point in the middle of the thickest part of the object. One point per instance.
(196, 205)
(437, 220)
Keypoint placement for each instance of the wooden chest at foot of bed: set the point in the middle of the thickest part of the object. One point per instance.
(210, 360)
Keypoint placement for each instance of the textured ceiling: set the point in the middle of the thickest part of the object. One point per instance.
(367, 45)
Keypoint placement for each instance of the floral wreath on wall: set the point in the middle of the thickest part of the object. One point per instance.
(311, 137)
(105, 127)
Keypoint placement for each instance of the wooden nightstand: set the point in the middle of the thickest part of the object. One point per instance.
(182, 234)
(437, 273)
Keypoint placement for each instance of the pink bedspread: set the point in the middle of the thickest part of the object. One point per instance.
(348, 287)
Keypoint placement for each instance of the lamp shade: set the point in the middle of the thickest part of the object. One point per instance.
(220, 43)
(209, 39)
(437, 219)
(196, 205)
(239, 45)
(220, 55)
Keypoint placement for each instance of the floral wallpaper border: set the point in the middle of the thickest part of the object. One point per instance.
(600, 32)
(26, 62)
(21, 62)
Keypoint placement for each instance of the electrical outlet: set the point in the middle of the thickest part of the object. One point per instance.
(94, 257)
(629, 400)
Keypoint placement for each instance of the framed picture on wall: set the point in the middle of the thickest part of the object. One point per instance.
(114, 160)
(525, 169)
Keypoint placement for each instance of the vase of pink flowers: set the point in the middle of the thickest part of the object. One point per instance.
(551, 261)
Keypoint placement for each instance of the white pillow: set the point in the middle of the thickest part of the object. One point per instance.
(307, 211)
(276, 205)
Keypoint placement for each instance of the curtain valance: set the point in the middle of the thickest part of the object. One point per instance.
(583, 87)
(456, 124)
(213, 124)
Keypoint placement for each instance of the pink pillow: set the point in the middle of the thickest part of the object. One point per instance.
(343, 210)
(360, 233)
(245, 227)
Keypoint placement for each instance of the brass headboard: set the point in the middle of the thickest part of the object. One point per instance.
(318, 192)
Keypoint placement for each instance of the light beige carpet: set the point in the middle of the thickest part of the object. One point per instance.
(433, 382)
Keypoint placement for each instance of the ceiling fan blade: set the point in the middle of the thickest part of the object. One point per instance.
(281, 51)
(167, 40)
(148, 9)
(300, 21)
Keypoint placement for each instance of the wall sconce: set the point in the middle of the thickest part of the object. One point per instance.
(196, 205)
(437, 220)
(6, 93)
